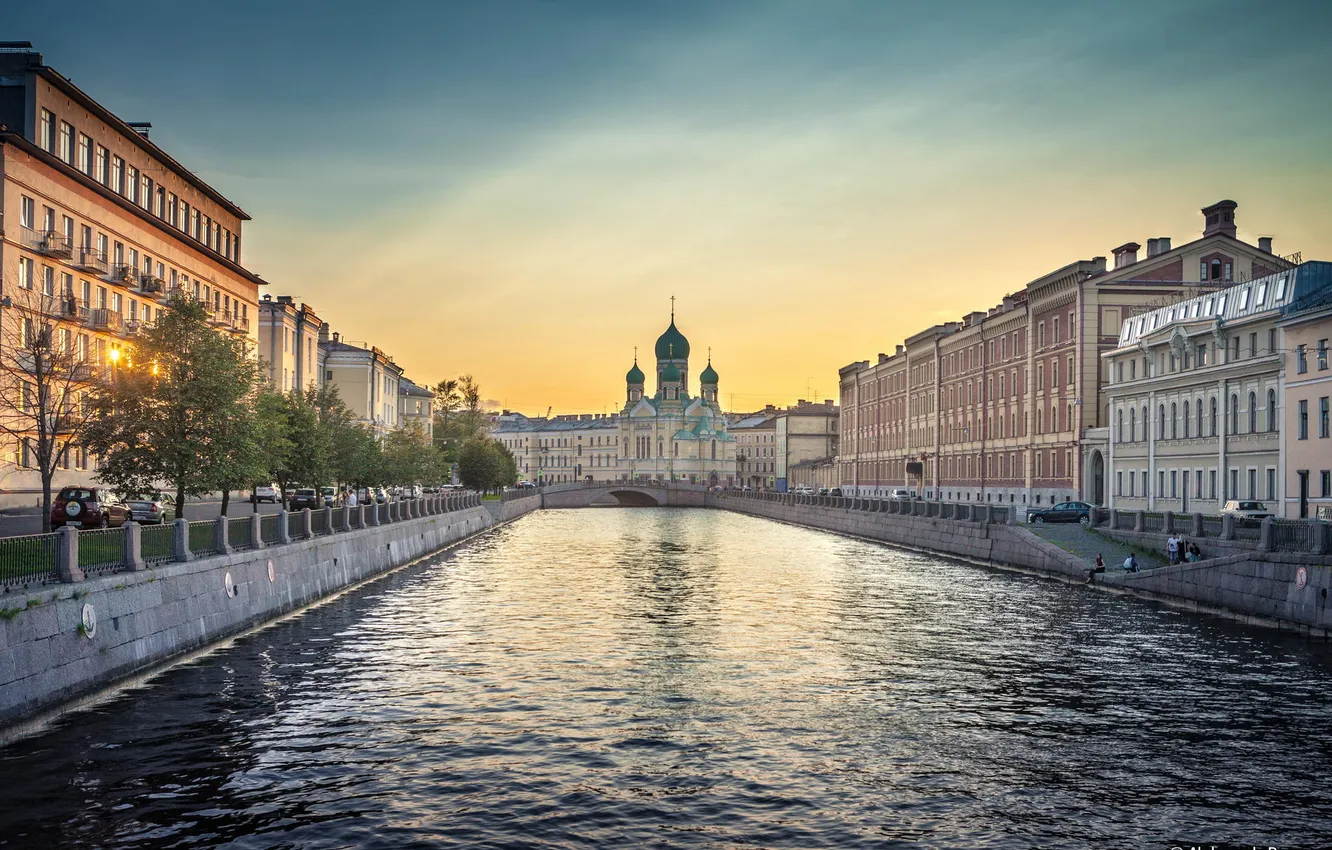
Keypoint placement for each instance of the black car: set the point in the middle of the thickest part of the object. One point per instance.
(836, 491)
(1062, 512)
(305, 497)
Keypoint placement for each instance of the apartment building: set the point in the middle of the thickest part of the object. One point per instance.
(100, 227)
(1194, 394)
(289, 342)
(756, 448)
(804, 433)
(367, 379)
(562, 449)
(416, 406)
(1306, 331)
(993, 407)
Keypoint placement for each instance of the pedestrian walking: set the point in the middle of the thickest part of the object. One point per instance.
(1172, 549)
(351, 499)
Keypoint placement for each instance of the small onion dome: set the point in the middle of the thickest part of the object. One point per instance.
(709, 375)
(671, 374)
(672, 345)
(635, 375)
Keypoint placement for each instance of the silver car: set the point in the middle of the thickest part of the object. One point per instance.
(154, 509)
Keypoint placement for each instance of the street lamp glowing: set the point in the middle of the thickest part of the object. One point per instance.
(154, 369)
(115, 354)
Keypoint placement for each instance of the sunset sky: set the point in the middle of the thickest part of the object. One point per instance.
(515, 188)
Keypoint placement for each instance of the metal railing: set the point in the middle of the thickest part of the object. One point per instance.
(102, 551)
(1290, 535)
(1247, 530)
(203, 537)
(1211, 526)
(91, 260)
(295, 525)
(382, 511)
(238, 533)
(30, 559)
(1153, 522)
(156, 544)
(268, 529)
(319, 522)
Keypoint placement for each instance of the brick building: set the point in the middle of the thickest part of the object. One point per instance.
(993, 407)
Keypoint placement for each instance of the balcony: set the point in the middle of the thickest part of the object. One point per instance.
(125, 275)
(53, 243)
(150, 285)
(132, 327)
(71, 307)
(100, 318)
(240, 325)
(91, 260)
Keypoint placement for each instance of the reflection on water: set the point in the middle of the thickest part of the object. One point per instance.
(677, 678)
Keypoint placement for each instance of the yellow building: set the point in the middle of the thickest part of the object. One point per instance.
(1307, 332)
(101, 226)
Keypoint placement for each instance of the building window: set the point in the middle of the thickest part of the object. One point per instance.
(101, 173)
(1160, 422)
(1322, 354)
(1253, 412)
(66, 149)
(1234, 413)
(1186, 420)
(1271, 410)
(1322, 418)
(117, 183)
(1302, 424)
(46, 131)
(1271, 484)
(1301, 362)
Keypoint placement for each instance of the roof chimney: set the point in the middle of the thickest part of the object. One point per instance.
(1265, 244)
(1098, 265)
(900, 349)
(1126, 254)
(140, 127)
(1162, 244)
(1151, 248)
(1219, 218)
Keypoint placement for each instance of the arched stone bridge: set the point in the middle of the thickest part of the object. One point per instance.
(623, 494)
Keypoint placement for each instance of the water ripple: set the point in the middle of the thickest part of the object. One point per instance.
(668, 678)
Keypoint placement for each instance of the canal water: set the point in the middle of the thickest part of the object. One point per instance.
(690, 678)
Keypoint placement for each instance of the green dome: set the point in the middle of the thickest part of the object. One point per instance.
(709, 375)
(672, 345)
(635, 375)
(670, 374)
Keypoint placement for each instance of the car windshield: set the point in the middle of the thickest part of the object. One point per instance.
(76, 493)
(304, 492)
(1252, 506)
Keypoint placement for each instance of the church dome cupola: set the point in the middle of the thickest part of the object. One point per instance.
(709, 375)
(634, 378)
(635, 375)
(670, 375)
(672, 344)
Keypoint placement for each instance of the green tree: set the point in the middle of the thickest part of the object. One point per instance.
(171, 411)
(446, 404)
(303, 456)
(408, 454)
(478, 464)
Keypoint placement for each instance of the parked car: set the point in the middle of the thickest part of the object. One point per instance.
(266, 493)
(152, 508)
(304, 497)
(330, 495)
(804, 491)
(836, 491)
(381, 495)
(88, 507)
(902, 494)
(1246, 512)
(1062, 512)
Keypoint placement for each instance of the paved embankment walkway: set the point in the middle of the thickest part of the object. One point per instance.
(1085, 543)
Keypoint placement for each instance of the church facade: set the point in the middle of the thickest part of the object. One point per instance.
(671, 435)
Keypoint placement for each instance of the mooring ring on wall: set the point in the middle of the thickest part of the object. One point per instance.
(272, 577)
(231, 587)
(1301, 578)
(89, 621)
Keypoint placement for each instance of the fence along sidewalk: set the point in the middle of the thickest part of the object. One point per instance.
(71, 554)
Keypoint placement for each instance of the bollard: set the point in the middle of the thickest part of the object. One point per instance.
(1197, 529)
(307, 523)
(1114, 518)
(180, 540)
(1266, 535)
(374, 513)
(1318, 529)
(220, 541)
(1227, 526)
(67, 555)
(328, 519)
(360, 516)
(133, 547)
(1168, 523)
(346, 518)
(284, 527)
(1139, 520)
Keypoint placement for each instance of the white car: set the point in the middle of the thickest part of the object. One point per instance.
(804, 491)
(901, 494)
(265, 493)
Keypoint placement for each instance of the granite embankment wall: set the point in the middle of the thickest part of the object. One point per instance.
(1274, 589)
(61, 641)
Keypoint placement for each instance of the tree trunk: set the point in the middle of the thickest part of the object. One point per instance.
(46, 501)
(226, 500)
(180, 501)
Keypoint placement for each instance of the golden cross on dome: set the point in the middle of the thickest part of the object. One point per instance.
(672, 308)
(635, 355)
